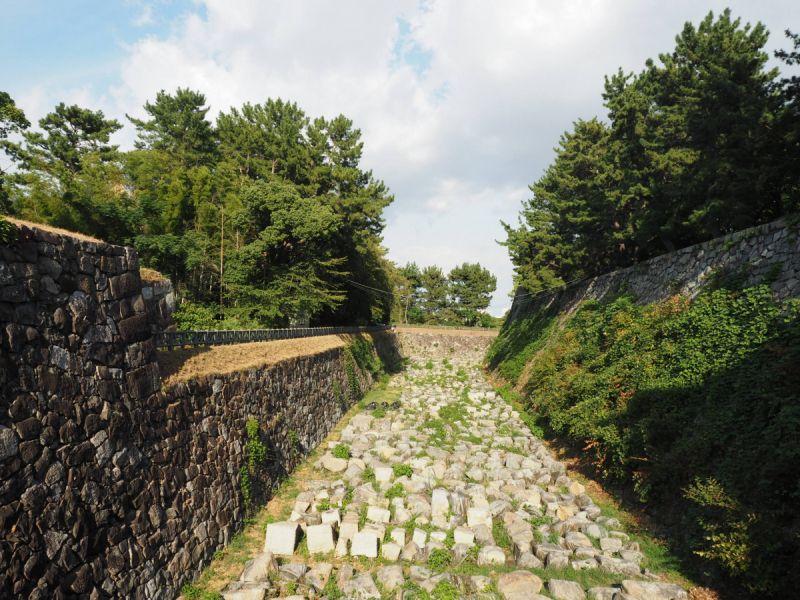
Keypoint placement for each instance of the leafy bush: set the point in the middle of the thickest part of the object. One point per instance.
(401, 470)
(368, 476)
(677, 395)
(341, 451)
(256, 451)
(363, 352)
(191, 316)
(294, 439)
(439, 559)
(379, 412)
(8, 232)
(429, 364)
(396, 491)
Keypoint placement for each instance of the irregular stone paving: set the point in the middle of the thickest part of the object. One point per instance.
(478, 489)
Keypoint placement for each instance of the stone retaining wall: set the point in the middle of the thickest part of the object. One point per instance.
(439, 345)
(159, 301)
(771, 249)
(109, 485)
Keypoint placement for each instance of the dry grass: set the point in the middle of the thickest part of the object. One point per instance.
(55, 230)
(468, 332)
(151, 275)
(185, 364)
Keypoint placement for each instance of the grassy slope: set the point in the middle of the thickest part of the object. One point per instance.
(676, 395)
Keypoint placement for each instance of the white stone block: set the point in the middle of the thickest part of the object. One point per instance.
(281, 537)
(365, 543)
(320, 538)
(378, 515)
(440, 504)
(464, 535)
(399, 536)
(383, 474)
(420, 537)
(479, 516)
(391, 551)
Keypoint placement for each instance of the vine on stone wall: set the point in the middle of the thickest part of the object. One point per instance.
(256, 456)
(8, 232)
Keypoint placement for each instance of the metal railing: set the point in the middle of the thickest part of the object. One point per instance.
(180, 339)
(455, 327)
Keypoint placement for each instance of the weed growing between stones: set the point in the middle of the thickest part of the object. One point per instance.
(439, 559)
(342, 451)
(403, 470)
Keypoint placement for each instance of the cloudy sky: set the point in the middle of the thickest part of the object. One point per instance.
(460, 102)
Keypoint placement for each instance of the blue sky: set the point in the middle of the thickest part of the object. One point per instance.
(460, 102)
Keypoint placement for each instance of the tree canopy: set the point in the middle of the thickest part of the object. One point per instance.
(699, 144)
(263, 216)
(460, 297)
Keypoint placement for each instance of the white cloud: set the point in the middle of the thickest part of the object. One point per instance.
(146, 18)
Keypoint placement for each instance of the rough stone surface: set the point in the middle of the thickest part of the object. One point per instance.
(653, 590)
(518, 582)
(565, 590)
(686, 270)
(320, 538)
(129, 485)
(281, 537)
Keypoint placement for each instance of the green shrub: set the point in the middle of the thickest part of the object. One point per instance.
(341, 451)
(8, 232)
(429, 364)
(368, 476)
(401, 470)
(352, 378)
(191, 316)
(439, 559)
(396, 491)
(379, 412)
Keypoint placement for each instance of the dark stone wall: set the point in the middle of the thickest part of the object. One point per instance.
(111, 486)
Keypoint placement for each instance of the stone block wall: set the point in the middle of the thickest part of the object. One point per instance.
(111, 486)
(422, 345)
(772, 249)
(159, 302)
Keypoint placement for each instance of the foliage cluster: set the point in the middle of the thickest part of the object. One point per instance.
(694, 403)
(439, 559)
(341, 451)
(8, 232)
(701, 144)
(402, 470)
(352, 378)
(264, 214)
(256, 455)
(458, 298)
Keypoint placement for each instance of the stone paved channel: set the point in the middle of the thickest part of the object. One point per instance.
(448, 496)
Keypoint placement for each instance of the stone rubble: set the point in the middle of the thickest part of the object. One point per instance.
(452, 477)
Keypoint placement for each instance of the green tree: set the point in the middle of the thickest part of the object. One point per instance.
(12, 120)
(471, 288)
(286, 266)
(66, 166)
(411, 293)
(435, 290)
(178, 126)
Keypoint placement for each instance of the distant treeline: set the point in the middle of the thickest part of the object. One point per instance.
(261, 217)
(703, 143)
(459, 298)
